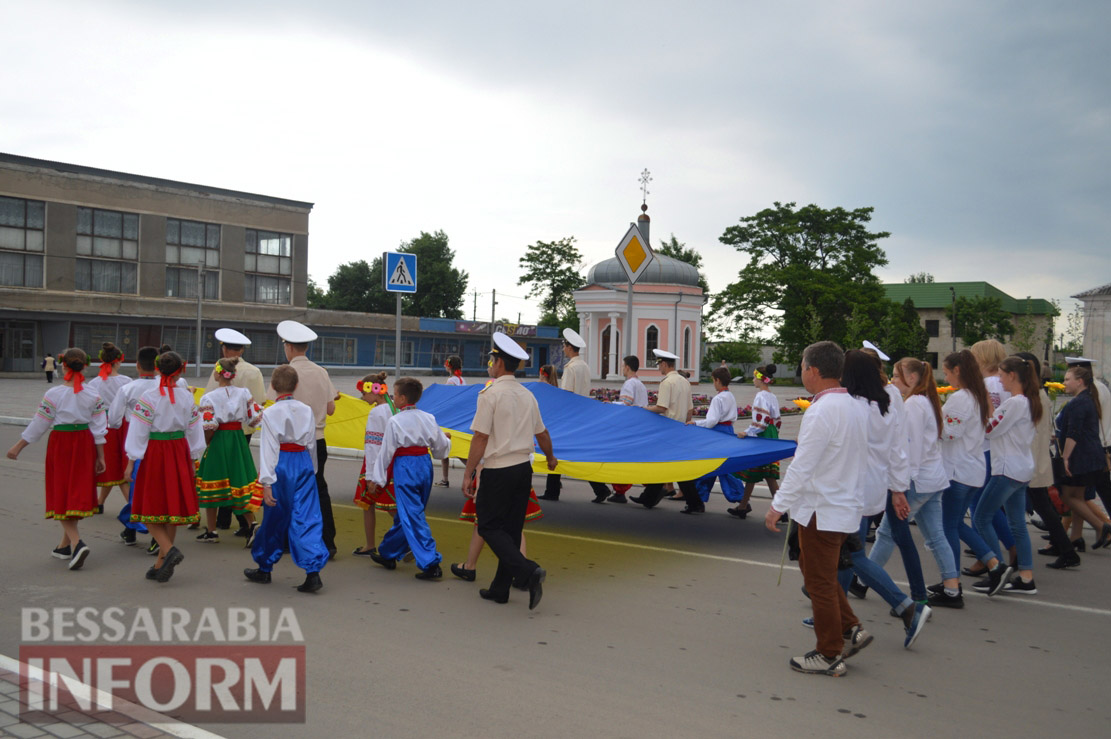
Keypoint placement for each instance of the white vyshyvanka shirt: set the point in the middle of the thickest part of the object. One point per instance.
(288, 421)
(633, 392)
(723, 409)
(1011, 434)
(229, 405)
(927, 471)
(825, 476)
(765, 412)
(996, 394)
(376, 422)
(962, 440)
(153, 412)
(60, 405)
(124, 401)
(454, 380)
(410, 427)
(886, 470)
(108, 389)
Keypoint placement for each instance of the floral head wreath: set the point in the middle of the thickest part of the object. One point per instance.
(371, 388)
(219, 369)
(762, 377)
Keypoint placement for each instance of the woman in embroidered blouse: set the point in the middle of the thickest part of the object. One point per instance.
(77, 420)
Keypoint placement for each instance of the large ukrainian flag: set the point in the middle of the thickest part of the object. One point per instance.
(603, 442)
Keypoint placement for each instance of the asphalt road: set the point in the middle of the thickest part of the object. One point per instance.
(652, 624)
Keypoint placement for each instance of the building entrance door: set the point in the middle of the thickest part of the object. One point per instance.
(17, 346)
(606, 333)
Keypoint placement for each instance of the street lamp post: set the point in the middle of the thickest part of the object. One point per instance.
(953, 317)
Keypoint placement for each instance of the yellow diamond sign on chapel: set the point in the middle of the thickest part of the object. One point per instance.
(634, 253)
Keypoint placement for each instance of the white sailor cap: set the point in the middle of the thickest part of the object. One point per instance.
(296, 333)
(879, 352)
(231, 336)
(505, 345)
(664, 354)
(1079, 362)
(571, 336)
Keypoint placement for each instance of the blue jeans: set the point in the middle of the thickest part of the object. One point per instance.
(873, 575)
(925, 509)
(894, 529)
(998, 520)
(954, 503)
(1002, 491)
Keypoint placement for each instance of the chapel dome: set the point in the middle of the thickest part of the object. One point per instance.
(663, 271)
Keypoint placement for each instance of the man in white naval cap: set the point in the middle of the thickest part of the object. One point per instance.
(575, 379)
(232, 344)
(673, 400)
(314, 389)
(506, 419)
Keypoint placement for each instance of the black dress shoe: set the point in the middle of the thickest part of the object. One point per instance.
(463, 573)
(618, 498)
(640, 499)
(257, 575)
(1103, 540)
(1064, 561)
(857, 588)
(311, 584)
(1050, 551)
(536, 587)
(600, 498)
(546, 496)
(487, 595)
(739, 512)
(173, 559)
(386, 562)
(1078, 545)
(430, 573)
(691, 511)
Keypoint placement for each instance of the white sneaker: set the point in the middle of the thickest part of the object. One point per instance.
(814, 663)
(855, 640)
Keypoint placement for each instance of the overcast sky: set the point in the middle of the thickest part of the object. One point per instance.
(979, 132)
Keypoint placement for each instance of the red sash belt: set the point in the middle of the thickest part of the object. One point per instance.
(726, 423)
(291, 448)
(233, 426)
(411, 451)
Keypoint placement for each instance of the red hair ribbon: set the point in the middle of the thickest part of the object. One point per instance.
(77, 377)
(106, 368)
(170, 381)
(458, 373)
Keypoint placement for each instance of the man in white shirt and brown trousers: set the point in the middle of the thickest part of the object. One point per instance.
(506, 419)
(820, 491)
(575, 379)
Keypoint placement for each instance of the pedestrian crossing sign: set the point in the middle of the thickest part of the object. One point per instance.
(633, 253)
(400, 272)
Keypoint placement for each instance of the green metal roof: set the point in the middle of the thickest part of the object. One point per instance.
(937, 295)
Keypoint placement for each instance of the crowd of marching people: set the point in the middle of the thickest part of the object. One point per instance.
(875, 451)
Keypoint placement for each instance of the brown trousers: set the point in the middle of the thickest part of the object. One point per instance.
(818, 562)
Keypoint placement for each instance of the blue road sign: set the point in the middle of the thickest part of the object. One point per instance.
(400, 272)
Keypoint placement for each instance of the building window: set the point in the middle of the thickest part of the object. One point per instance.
(687, 348)
(334, 350)
(651, 341)
(111, 241)
(933, 328)
(268, 267)
(384, 353)
(441, 350)
(265, 348)
(102, 276)
(931, 359)
(22, 227)
(189, 244)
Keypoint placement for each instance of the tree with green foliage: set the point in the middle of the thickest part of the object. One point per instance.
(552, 272)
(901, 332)
(677, 250)
(1072, 340)
(359, 286)
(919, 278)
(315, 296)
(440, 286)
(1026, 329)
(810, 264)
(742, 355)
(980, 317)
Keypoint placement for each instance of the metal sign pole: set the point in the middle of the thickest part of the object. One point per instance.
(397, 343)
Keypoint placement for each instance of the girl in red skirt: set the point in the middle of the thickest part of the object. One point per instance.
(107, 385)
(165, 433)
(468, 570)
(369, 496)
(77, 420)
